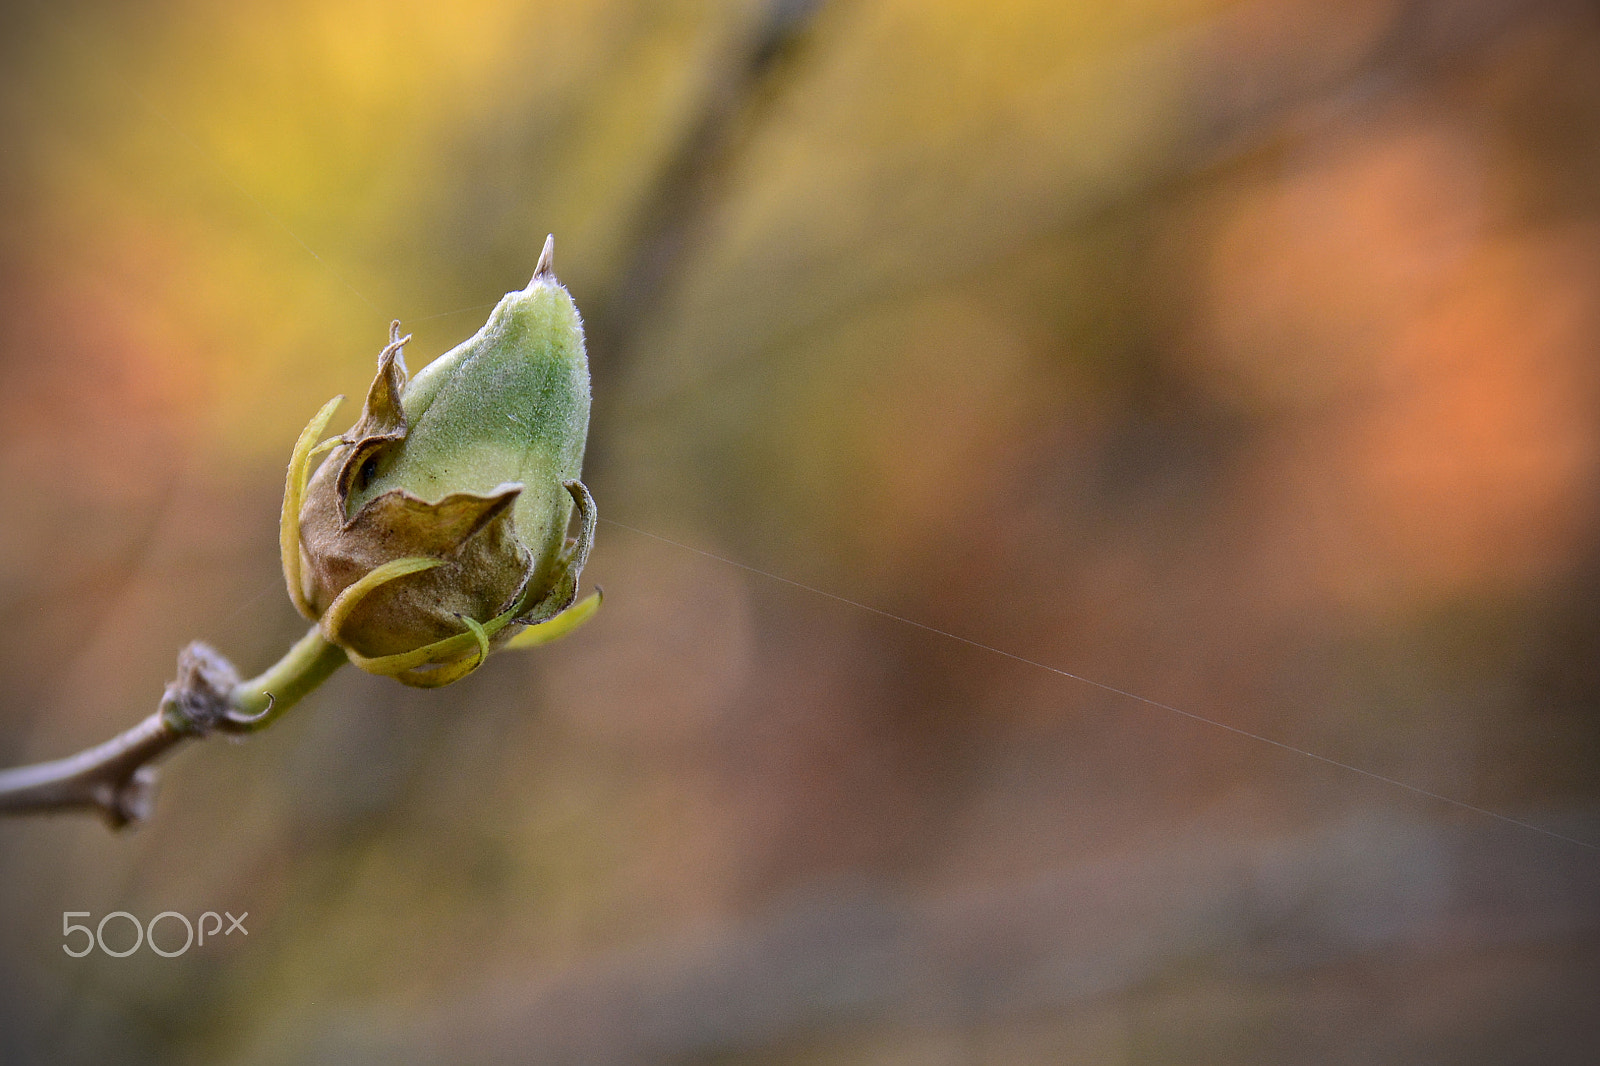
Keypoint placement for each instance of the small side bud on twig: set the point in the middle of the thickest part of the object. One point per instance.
(198, 698)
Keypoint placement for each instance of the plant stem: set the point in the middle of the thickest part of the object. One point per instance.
(118, 778)
(302, 668)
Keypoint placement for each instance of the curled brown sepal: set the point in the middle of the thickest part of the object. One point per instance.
(569, 565)
(402, 573)
(382, 424)
(535, 615)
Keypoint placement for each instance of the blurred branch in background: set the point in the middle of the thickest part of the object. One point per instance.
(668, 220)
(1216, 89)
(960, 969)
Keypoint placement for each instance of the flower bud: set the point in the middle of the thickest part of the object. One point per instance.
(435, 529)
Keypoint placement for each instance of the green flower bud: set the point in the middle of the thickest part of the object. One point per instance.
(435, 529)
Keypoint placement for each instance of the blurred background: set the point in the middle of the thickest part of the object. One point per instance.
(1239, 355)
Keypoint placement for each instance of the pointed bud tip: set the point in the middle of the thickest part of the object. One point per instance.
(546, 268)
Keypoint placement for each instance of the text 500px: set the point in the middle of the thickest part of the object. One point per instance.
(209, 924)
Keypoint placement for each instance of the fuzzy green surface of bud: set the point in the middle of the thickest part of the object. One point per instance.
(436, 528)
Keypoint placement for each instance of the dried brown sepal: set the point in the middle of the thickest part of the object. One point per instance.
(471, 535)
(382, 425)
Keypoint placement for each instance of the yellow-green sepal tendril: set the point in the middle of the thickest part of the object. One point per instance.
(555, 628)
(294, 491)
